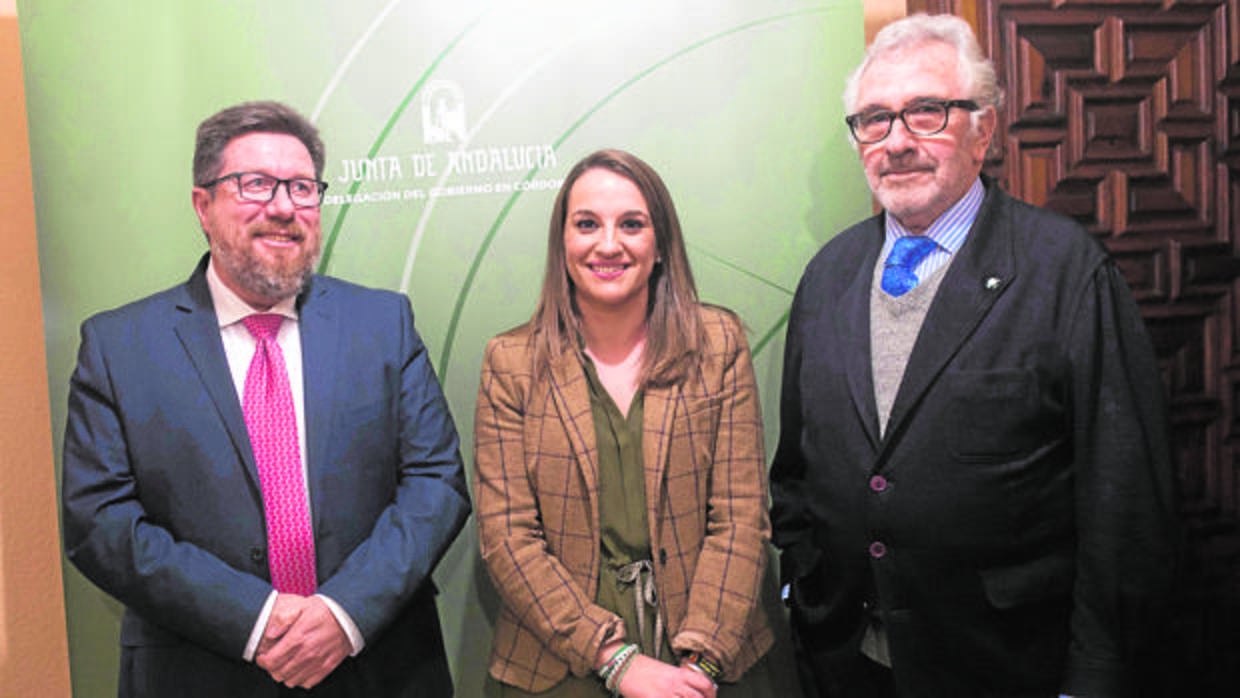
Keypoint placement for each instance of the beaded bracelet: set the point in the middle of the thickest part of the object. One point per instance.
(697, 660)
(618, 660)
(610, 665)
(612, 683)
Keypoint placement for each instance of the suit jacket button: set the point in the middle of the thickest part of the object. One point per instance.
(878, 549)
(878, 483)
(256, 554)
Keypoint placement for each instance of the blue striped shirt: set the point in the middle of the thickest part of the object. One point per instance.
(949, 230)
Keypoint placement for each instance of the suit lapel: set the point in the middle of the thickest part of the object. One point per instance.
(852, 326)
(982, 271)
(319, 325)
(198, 331)
(571, 395)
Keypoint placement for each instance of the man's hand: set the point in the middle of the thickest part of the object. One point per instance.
(284, 611)
(302, 643)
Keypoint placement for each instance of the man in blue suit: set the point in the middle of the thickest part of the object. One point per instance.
(972, 489)
(183, 501)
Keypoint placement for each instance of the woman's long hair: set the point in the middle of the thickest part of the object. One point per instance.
(674, 334)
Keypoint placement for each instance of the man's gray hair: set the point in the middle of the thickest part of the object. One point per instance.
(977, 72)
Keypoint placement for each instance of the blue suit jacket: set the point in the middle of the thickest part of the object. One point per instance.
(162, 506)
(1014, 526)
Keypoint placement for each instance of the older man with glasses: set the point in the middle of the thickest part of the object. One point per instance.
(972, 489)
(259, 463)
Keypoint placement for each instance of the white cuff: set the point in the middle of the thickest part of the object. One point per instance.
(256, 635)
(346, 624)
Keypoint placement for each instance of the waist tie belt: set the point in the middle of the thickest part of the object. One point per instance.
(640, 574)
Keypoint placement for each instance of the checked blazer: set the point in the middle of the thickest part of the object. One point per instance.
(536, 483)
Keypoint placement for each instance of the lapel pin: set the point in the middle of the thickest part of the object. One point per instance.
(992, 282)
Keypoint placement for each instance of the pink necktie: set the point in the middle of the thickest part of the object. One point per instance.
(272, 424)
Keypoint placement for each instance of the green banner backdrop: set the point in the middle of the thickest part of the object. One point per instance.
(449, 125)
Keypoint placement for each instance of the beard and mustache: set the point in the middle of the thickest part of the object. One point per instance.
(274, 280)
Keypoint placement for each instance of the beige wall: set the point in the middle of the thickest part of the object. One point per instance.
(33, 648)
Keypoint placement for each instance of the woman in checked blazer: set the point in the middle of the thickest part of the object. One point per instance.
(620, 482)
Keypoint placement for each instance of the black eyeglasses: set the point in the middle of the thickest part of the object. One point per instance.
(261, 188)
(922, 118)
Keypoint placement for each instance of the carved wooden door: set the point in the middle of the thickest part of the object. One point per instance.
(1126, 116)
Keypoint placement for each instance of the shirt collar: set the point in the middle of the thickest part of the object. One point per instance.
(230, 309)
(950, 229)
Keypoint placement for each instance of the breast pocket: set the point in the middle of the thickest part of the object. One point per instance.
(1003, 414)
